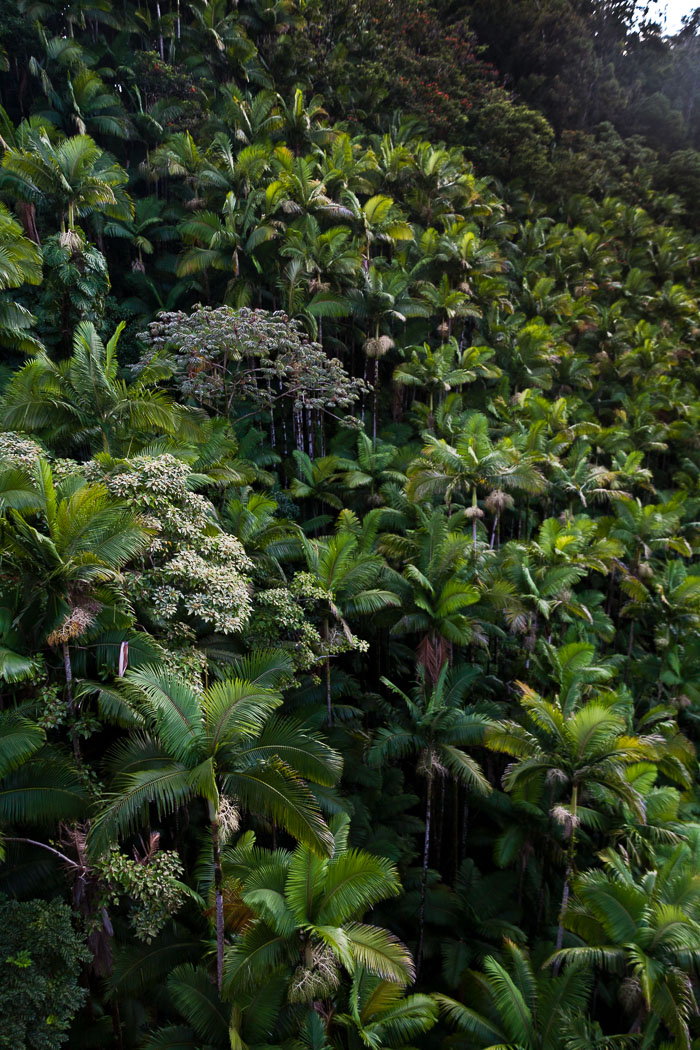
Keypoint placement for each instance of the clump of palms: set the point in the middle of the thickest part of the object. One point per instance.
(304, 918)
(573, 752)
(225, 746)
(644, 927)
(435, 729)
(82, 402)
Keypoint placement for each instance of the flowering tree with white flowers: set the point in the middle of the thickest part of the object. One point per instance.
(192, 570)
(223, 359)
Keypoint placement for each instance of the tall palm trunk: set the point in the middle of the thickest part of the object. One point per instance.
(424, 873)
(376, 385)
(218, 894)
(329, 704)
(68, 671)
(160, 34)
(567, 876)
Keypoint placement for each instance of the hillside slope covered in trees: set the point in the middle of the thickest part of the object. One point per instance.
(349, 492)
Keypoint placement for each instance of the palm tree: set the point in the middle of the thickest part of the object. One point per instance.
(304, 917)
(443, 369)
(448, 303)
(351, 579)
(379, 219)
(472, 461)
(20, 259)
(347, 165)
(371, 470)
(302, 124)
(39, 786)
(436, 592)
(207, 1019)
(68, 563)
(647, 927)
(268, 539)
(75, 177)
(221, 34)
(20, 263)
(180, 157)
(379, 1014)
(512, 1004)
(328, 256)
(253, 118)
(148, 227)
(583, 750)
(16, 665)
(298, 191)
(84, 105)
(435, 730)
(318, 479)
(218, 745)
(82, 401)
(211, 243)
(378, 302)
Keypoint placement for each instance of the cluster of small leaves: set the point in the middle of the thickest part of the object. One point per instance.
(52, 706)
(157, 487)
(153, 887)
(76, 283)
(187, 662)
(156, 80)
(40, 959)
(280, 617)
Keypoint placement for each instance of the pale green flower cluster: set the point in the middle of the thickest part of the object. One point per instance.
(66, 468)
(157, 487)
(280, 617)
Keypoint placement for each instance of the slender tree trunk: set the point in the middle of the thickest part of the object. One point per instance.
(455, 828)
(424, 874)
(218, 895)
(117, 1024)
(437, 849)
(329, 704)
(560, 927)
(465, 832)
(71, 703)
(310, 431)
(629, 652)
(160, 35)
(567, 876)
(376, 401)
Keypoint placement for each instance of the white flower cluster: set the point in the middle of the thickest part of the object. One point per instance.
(214, 592)
(195, 570)
(157, 487)
(19, 451)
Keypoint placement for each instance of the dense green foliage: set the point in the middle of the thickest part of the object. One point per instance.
(349, 491)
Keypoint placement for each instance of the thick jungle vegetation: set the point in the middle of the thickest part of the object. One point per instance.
(349, 525)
